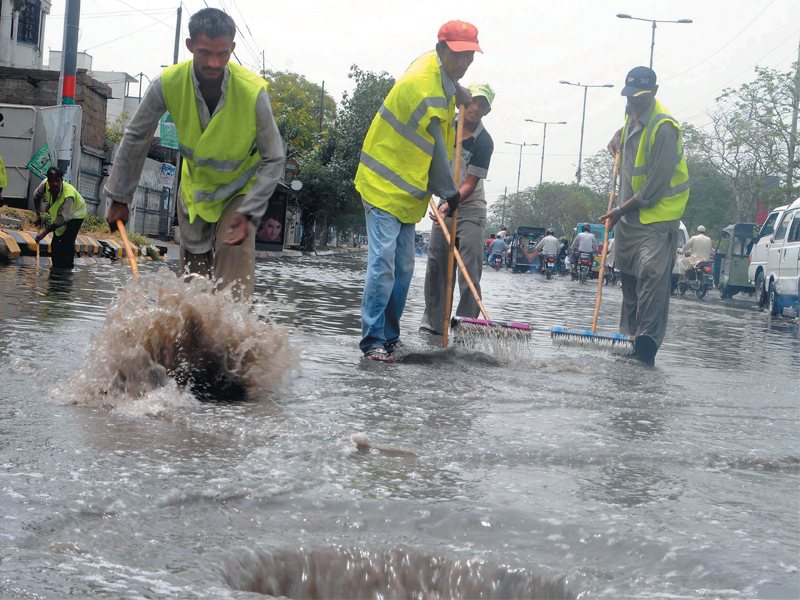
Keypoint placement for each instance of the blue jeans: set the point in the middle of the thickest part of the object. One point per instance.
(390, 266)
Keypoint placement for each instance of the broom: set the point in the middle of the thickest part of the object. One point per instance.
(464, 322)
(128, 250)
(519, 329)
(589, 337)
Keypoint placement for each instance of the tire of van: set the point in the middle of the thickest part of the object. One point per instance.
(761, 293)
(774, 304)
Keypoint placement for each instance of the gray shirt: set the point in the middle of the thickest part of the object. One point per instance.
(630, 234)
(132, 153)
(585, 242)
(548, 245)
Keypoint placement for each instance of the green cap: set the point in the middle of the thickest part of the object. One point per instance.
(482, 89)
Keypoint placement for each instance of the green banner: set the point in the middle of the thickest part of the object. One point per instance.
(169, 133)
(40, 162)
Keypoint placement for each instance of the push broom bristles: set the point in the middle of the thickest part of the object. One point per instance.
(586, 338)
(495, 328)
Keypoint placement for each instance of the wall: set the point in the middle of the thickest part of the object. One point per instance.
(37, 87)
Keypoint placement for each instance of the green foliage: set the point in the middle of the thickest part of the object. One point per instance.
(329, 169)
(295, 105)
(139, 240)
(115, 130)
(95, 224)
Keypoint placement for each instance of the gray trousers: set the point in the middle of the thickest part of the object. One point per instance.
(470, 227)
(645, 296)
(229, 265)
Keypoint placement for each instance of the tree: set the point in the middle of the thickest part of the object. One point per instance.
(295, 105)
(116, 129)
(329, 169)
(597, 171)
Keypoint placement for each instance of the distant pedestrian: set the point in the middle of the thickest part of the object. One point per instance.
(232, 152)
(67, 211)
(654, 192)
(404, 160)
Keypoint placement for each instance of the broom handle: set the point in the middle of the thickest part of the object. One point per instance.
(461, 265)
(457, 176)
(601, 275)
(128, 251)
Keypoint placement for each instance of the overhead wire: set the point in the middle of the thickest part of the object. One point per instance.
(753, 20)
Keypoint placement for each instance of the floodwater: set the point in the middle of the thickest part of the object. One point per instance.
(529, 471)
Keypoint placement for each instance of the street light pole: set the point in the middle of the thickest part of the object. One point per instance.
(544, 139)
(521, 146)
(583, 120)
(653, 21)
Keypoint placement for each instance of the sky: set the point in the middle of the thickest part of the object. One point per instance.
(529, 46)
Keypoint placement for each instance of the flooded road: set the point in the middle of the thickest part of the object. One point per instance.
(533, 472)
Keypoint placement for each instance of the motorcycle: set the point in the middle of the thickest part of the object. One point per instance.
(611, 276)
(496, 260)
(550, 265)
(700, 279)
(584, 266)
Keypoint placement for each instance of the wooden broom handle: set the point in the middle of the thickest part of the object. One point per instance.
(448, 304)
(602, 273)
(128, 250)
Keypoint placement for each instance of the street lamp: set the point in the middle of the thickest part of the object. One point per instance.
(521, 146)
(583, 119)
(653, 21)
(544, 137)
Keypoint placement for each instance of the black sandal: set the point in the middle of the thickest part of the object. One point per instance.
(380, 354)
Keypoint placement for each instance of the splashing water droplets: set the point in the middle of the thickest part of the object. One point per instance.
(164, 328)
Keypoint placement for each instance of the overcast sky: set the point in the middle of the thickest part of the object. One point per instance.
(529, 46)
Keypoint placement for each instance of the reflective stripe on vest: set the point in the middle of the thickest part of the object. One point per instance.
(221, 161)
(78, 210)
(398, 150)
(673, 204)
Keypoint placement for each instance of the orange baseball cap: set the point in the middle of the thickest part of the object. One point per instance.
(460, 36)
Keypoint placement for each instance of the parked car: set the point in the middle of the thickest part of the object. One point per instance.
(758, 256)
(781, 276)
(683, 237)
(732, 259)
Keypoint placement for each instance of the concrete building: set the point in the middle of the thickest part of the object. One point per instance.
(22, 32)
(125, 94)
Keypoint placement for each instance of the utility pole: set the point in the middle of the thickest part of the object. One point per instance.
(69, 59)
(793, 132)
(263, 65)
(321, 105)
(177, 38)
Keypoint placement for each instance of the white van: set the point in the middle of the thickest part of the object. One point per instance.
(781, 276)
(758, 255)
(683, 237)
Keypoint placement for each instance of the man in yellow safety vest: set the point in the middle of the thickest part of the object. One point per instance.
(404, 160)
(67, 209)
(233, 155)
(653, 196)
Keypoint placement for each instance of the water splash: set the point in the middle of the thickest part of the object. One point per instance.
(164, 330)
(399, 573)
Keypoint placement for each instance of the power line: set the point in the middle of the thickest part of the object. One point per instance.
(724, 46)
(742, 73)
(145, 14)
(118, 38)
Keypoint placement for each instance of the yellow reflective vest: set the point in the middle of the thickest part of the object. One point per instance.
(221, 162)
(3, 175)
(398, 150)
(670, 207)
(78, 204)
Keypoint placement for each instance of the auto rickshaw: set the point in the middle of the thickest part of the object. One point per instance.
(733, 259)
(523, 245)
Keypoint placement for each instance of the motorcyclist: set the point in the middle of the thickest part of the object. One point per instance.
(498, 246)
(584, 242)
(486, 248)
(547, 245)
(563, 254)
(700, 248)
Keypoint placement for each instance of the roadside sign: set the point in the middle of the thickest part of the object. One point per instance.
(169, 133)
(292, 169)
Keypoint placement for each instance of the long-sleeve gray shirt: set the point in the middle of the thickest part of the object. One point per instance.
(132, 152)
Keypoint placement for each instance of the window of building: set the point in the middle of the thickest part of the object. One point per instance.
(28, 30)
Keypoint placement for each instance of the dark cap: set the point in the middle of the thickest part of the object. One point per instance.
(640, 80)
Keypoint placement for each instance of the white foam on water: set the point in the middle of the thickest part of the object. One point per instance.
(165, 331)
